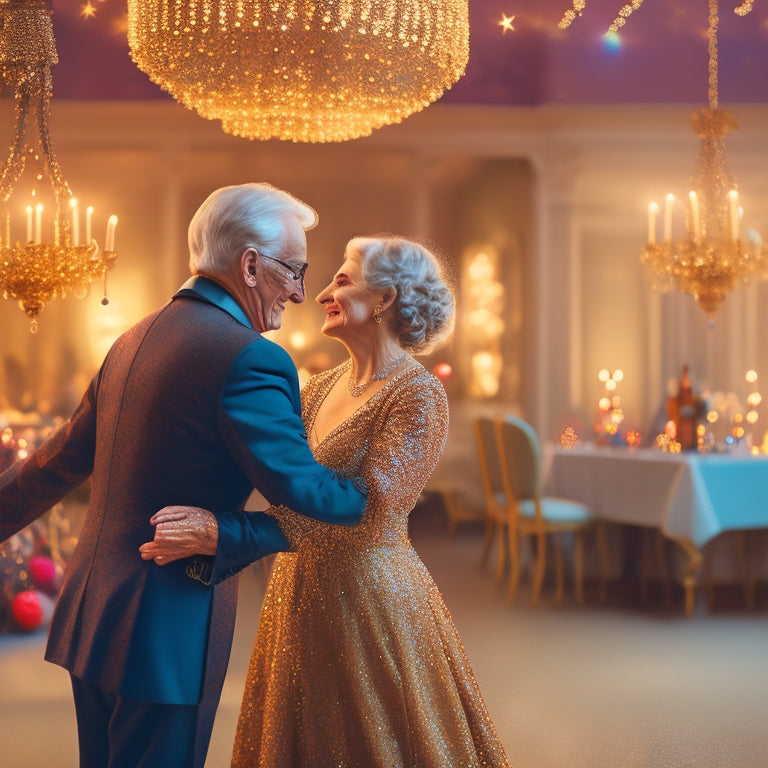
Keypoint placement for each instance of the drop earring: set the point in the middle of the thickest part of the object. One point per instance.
(377, 315)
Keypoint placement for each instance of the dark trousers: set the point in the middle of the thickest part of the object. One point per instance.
(115, 732)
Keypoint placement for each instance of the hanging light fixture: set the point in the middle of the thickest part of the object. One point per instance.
(301, 70)
(37, 269)
(714, 256)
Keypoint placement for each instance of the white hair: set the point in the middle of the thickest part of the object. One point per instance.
(234, 218)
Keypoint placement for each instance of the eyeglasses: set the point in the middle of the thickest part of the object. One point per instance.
(297, 277)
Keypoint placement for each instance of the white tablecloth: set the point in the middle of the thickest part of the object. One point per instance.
(687, 495)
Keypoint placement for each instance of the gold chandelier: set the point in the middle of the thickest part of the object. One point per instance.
(34, 271)
(714, 256)
(301, 70)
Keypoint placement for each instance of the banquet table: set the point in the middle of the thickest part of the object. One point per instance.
(690, 497)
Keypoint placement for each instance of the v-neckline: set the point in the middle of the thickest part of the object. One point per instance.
(410, 366)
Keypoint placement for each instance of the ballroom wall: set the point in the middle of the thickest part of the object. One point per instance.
(560, 193)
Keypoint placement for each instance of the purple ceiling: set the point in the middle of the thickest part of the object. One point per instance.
(662, 57)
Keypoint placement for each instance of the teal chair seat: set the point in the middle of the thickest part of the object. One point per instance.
(560, 510)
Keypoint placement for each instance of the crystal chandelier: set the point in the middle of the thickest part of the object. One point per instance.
(714, 256)
(37, 269)
(301, 70)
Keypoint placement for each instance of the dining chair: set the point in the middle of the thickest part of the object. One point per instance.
(493, 488)
(529, 513)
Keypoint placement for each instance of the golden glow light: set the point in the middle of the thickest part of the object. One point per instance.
(35, 270)
(301, 70)
(484, 320)
(87, 10)
(633, 438)
(568, 438)
(506, 23)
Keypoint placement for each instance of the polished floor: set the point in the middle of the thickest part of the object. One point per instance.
(620, 685)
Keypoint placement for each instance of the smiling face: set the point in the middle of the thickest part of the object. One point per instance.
(348, 303)
(274, 284)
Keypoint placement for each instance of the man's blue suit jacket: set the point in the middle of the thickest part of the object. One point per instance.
(191, 406)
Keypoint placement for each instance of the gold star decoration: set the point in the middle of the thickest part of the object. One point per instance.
(87, 11)
(506, 23)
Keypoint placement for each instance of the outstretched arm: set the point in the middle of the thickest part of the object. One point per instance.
(31, 487)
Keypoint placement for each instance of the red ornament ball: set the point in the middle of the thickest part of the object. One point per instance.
(32, 609)
(43, 571)
(442, 371)
(27, 610)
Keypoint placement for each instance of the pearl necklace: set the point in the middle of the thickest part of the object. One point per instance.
(357, 389)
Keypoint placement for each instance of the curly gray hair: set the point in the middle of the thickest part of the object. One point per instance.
(424, 308)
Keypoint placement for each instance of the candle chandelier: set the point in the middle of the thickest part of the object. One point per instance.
(37, 269)
(714, 256)
(301, 70)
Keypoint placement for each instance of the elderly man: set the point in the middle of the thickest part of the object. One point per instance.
(191, 405)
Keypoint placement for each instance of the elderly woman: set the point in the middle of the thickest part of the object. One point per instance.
(357, 662)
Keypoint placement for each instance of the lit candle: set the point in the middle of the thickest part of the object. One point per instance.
(75, 221)
(39, 223)
(88, 222)
(29, 224)
(109, 240)
(733, 205)
(653, 210)
(695, 217)
(668, 203)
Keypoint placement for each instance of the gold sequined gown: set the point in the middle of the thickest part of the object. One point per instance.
(357, 663)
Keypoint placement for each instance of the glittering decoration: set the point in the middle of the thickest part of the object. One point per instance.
(713, 258)
(576, 10)
(353, 611)
(34, 559)
(506, 24)
(667, 444)
(568, 438)
(633, 438)
(301, 70)
(610, 414)
(87, 10)
(578, 7)
(624, 14)
(34, 272)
